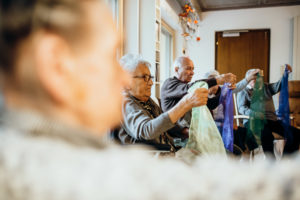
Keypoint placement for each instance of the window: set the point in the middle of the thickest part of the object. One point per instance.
(166, 51)
(115, 8)
(117, 12)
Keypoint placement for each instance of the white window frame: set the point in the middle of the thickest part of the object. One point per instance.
(171, 32)
(117, 7)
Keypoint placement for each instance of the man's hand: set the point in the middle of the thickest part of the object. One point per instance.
(197, 98)
(226, 78)
(194, 99)
(252, 75)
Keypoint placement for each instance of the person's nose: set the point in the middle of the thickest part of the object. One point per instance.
(150, 82)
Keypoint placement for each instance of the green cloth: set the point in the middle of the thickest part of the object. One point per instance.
(204, 136)
(257, 115)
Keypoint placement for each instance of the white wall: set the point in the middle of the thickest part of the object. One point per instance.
(278, 19)
(147, 32)
(296, 48)
(131, 26)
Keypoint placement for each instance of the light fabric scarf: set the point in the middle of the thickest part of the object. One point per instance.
(257, 106)
(204, 136)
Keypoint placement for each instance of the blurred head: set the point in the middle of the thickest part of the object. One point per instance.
(184, 68)
(252, 82)
(58, 58)
(142, 80)
(209, 75)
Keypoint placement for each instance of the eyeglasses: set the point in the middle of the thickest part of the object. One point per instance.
(145, 77)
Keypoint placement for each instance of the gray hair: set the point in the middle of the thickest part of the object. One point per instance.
(249, 71)
(179, 61)
(131, 61)
(211, 74)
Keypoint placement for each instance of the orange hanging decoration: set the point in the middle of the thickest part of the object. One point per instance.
(185, 34)
(183, 14)
(189, 20)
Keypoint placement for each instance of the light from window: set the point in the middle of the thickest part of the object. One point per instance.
(166, 53)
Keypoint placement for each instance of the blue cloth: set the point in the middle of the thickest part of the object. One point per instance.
(284, 106)
(227, 129)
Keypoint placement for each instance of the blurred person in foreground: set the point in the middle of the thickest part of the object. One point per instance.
(62, 90)
(144, 121)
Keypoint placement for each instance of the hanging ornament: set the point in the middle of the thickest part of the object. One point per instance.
(189, 22)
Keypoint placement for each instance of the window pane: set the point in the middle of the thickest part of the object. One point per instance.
(166, 54)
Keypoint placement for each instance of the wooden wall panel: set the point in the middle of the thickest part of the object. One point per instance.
(238, 54)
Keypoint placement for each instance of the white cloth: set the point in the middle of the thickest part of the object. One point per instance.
(204, 135)
(36, 166)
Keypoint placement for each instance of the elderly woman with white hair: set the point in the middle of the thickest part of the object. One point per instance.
(144, 121)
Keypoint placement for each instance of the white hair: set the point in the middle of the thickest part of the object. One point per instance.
(131, 61)
(179, 61)
(211, 74)
(249, 71)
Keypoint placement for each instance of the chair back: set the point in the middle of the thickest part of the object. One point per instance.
(237, 116)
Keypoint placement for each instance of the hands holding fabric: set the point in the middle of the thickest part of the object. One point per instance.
(252, 75)
(289, 68)
(193, 99)
(197, 98)
(226, 78)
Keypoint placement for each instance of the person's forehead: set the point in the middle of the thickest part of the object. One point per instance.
(187, 63)
(142, 69)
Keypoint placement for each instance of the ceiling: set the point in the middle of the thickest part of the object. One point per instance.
(213, 5)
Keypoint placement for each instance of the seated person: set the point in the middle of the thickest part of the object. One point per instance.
(272, 123)
(175, 88)
(240, 133)
(62, 90)
(144, 121)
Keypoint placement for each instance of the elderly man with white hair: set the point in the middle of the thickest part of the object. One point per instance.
(175, 88)
(144, 121)
(272, 122)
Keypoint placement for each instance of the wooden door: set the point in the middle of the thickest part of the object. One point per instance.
(236, 52)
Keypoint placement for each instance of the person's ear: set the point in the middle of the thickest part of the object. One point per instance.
(54, 65)
(176, 69)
